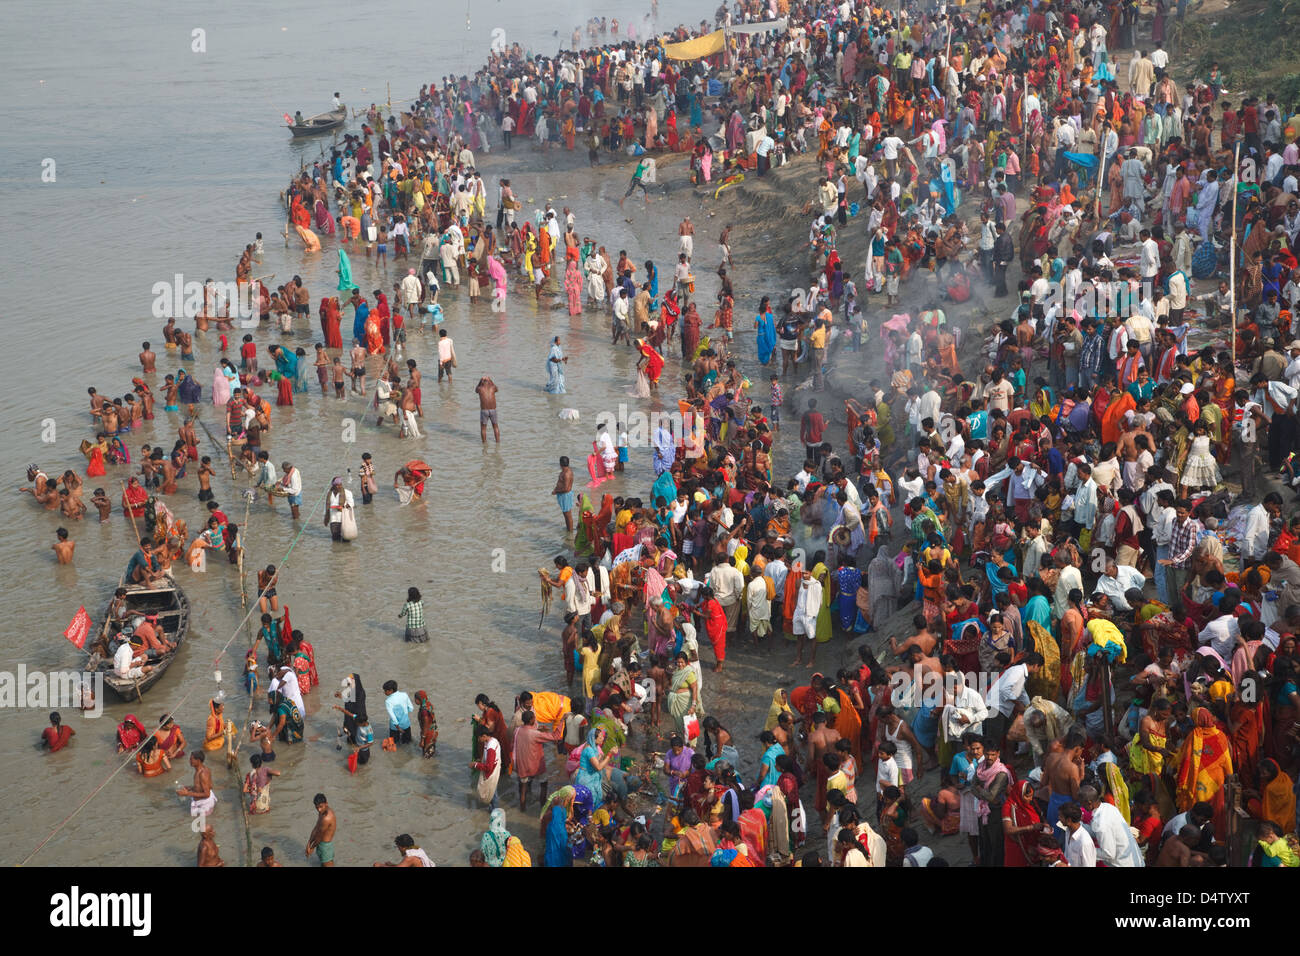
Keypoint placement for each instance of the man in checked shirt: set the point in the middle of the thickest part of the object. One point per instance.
(1186, 533)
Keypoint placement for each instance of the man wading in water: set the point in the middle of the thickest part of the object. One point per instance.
(487, 408)
(564, 492)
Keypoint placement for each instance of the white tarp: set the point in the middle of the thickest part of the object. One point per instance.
(767, 26)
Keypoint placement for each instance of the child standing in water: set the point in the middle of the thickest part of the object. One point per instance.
(413, 611)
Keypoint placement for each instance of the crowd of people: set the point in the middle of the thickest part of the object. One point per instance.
(1060, 608)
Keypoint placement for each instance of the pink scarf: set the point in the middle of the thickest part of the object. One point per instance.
(985, 773)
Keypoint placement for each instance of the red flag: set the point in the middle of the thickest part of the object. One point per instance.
(79, 629)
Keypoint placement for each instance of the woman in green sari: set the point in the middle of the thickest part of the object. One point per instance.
(683, 692)
(494, 841)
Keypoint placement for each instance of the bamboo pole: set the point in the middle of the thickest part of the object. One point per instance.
(1232, 251)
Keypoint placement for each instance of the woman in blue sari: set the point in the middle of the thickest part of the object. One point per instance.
(652, 277)
(697, 110)
(768, 762)
(1037, 608)
(665, 488)
(557, 839)
(765, 322)
(555, 368)
(591, 764)
(847, 579)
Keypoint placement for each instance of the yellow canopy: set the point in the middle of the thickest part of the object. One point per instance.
(696, 49)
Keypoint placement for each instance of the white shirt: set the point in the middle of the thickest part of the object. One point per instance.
(890, 145)
(1008, 689)
(1079, 849)
(122, 658)
(1115, 843)
(1221, 635)
(1125, 577)
(1159, 59)
(727, 583)
(292, 482)
(1256, 536)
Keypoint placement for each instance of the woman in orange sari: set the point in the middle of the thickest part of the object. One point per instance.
(543, 258)
(1204, 765)
(569, 130)
(1276, 799)
(791, 597)
(1114, 413)
(374, 339)
(849, 723)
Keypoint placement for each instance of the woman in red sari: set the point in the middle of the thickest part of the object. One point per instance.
(298, 213)
(134, 498)
(383, 315)
(670, 130)
(1246, 724)
(753, 829)
(329, 322)
(1020, 823)
(95, 466)
(690, 330)
(654, 362)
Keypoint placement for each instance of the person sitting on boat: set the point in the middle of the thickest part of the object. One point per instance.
(130, 662)
(297, 118)
(145, 568)
(154, 642)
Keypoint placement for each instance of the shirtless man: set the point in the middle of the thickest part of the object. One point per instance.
(185, 342)
(1063, 771)
(209, 853)
(922, 639)
(408, 409)
(357, 356)
(563, 492)
(821, 739)
(169, 331)
(410, 854)
(268, 858)
(202, 800)
(43, 490)
(416, 378)
(148, 361)
(63, 547)
(487, 408)
(686, 238)
(321, 841)
(1177, 850)
(96, 403)
(70, 507)
(101, 501)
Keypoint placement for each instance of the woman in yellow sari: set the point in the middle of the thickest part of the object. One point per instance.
(1204, 765)
(780, 705)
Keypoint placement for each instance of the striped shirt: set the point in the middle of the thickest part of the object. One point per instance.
(1183, 542)
(414, 614)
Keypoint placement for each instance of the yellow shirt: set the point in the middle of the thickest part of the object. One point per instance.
(817, 338)
(590, 671)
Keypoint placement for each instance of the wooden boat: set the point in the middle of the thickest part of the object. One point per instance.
(164, 601)
(320, 123)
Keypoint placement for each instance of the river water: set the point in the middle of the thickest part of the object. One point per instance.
(167, 161)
